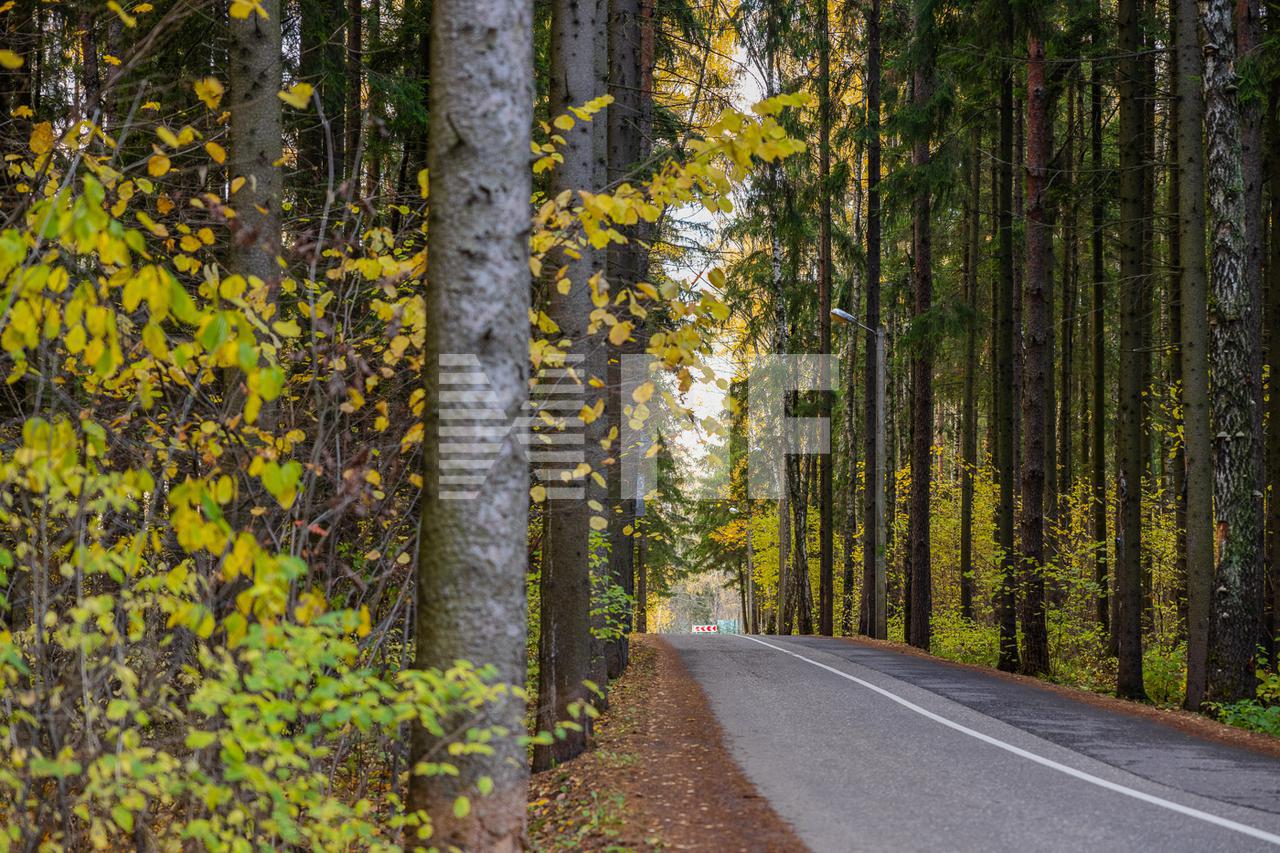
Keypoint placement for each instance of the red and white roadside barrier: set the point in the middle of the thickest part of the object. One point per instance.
(706, 629)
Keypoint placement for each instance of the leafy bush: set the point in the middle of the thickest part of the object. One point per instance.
(1164, 673)
(1251, 715)
(964, 640)
(209, 487)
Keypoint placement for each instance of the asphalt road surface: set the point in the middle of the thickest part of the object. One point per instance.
(866, 748)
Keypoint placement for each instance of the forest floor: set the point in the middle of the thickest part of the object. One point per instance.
(657, 777)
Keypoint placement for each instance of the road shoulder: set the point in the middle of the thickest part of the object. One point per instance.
(658, 776)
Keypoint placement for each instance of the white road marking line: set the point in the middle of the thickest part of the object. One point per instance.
(1223, 822)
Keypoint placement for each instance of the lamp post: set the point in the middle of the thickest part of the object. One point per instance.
(875, 489)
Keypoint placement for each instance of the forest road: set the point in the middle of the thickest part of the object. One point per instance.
(863, 747)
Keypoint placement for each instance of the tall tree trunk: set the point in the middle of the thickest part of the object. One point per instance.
(565, 650)
(1098, 415)
(1251, 62)
(1236, 609)
(921, 577)
(969, 420)
(800, 596)
(1178, 460)
(1019, 271)
(1070, 314)
(624, 265)
(16, 89)
(253, 81)
(1006, 609)
(1146, 313)
(872, 615)
(851, 505)
(826, 567)
(601, 578)
(354, 75)
(478, 307)
(642, 578)
(1273, 355)
(1037, 372)
(1129, 441)
(321, 140)
(1193, 285)
(374, 154)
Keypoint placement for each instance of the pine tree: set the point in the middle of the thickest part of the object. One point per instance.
(471, 561)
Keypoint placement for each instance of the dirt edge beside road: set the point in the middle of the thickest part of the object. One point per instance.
(658, 776)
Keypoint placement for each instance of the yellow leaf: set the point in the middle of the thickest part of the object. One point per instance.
(563, 122)
(619, 333)
(158, 165)
(598, 522)
(590, 414)
(538, 494)
(424, 184)
(167, 136)
(189, 243)
(129, 20)
(22, 111)
(241, 9)
(643, 393)
(42, 138)
(236, 183)
(10, 60)
(286, 328)
(210, 91)
(298, 96)
(216, 152)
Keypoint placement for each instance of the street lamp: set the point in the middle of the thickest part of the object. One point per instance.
(876, 488)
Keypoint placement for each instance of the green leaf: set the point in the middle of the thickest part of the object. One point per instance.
(199, 739)
(461, 807)
(123, 817)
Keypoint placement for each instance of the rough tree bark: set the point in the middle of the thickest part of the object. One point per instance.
(354, 114)
(1129, 442)
(1098, 415)
(1197, 439)
(921, 577)
(870, 618)
(624, 260)
(320, 63)
(969, 419)
(1236, 609)
(826, 567)
(1252, 63)
(1037, 369)
(1273, 357)
(471, 561)
(253, 80)
(1006, 612)
(1070, 317)
(565, 648)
